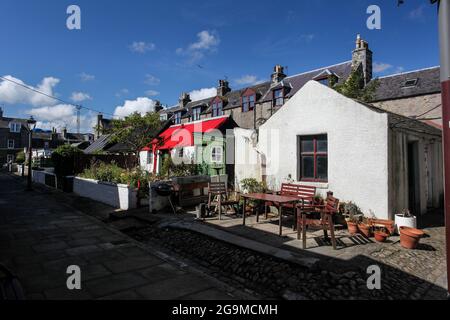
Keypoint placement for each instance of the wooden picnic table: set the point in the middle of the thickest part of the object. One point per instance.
(268, 198)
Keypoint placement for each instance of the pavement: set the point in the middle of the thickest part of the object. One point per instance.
(41, 235)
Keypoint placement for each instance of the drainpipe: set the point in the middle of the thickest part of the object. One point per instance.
(444, 35)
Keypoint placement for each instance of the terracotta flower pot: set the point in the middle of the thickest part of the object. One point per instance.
(410, 237)
(381, 236)
(364, 229)
(352, 228)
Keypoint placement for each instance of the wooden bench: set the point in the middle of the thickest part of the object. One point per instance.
(305, 195)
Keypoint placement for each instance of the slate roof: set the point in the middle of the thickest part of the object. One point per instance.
(264, 90)
(99, 145)
(4, 122)
(393, 86)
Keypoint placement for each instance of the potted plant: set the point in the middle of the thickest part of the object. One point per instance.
(380, 235)
(410, 237)
(353, 216)
(365, 228)
(405, 219)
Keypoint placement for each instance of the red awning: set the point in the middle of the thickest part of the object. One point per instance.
(182, 135)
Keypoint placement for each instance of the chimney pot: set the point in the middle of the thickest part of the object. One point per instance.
(223, 88)
(278, 74)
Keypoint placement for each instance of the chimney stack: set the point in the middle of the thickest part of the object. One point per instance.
(184, 99)
(99, 125)
(223, 88)
(278, 74)
(362, 58)
(158, 106)
(1, 112)
(64, 132)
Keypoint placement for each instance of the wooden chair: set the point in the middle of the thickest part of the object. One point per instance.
(327, 212)
(218, 197)
(305, 194)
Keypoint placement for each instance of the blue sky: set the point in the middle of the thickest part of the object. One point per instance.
(145, 50)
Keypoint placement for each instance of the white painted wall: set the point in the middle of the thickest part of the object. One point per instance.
(247, 162)
(115, 195)
(357, 146)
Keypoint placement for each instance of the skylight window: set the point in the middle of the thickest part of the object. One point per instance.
(410, 83)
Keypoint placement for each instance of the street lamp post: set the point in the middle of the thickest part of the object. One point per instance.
(444, 34)
(31, 125)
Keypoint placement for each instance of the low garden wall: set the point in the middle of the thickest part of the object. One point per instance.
(116, 195)
(44, 177)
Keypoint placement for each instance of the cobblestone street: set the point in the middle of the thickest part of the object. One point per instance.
(141, 256)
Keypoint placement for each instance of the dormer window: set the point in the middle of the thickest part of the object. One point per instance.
(15, 127)
(324, 81)
(409, 83)
(217, 108)
(278, 97)
(196, 113)
(178, 117)
(248, 100)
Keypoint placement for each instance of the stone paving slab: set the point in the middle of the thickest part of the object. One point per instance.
(39, 244)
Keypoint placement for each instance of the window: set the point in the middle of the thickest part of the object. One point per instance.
(196, 113)
(278, 96)
(181, 153)
(9, 158)
(410, 83)
(248, 103)
(46, 145)
(217, 108)
(15, 127)
(217, 155)
(150, 157)
(178, 117)
(10, 144)
(163, 117)
(313, 158)
(324, 81)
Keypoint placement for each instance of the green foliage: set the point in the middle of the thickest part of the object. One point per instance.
(169, 169)
(114, 174)
(135, 131)
(354, 87)
(253, 186)
(63, 159)
(20, 157)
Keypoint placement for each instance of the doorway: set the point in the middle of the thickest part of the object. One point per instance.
(414, 179)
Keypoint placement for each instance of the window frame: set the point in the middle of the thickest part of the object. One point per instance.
(246, 100)
(10, 157)
(327, 79)
(196, 113)
(275, 99)
(315, 154)
(13, 144)
(178, 117)
(215, 154)
(15, 127)
(149, 157)
(217, 107)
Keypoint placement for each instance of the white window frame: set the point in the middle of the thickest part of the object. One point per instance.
(149, 157)
(13, 143)
(9, 158)
(15, 127)
(217, 157)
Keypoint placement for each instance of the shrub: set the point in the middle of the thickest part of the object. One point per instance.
(63, 159)
(20, 157)
(253, 186)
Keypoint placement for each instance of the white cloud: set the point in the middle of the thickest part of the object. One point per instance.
(308, 37)
(151, 93)
(418, 13)
(80, 97)
(152, 80)
(203, 94)
(248, 80)
(85, 77)
(208, 41)
(381, 67)
(122, 92)
(62, 116)
(141, 105)
(13, 93)
(142, 47)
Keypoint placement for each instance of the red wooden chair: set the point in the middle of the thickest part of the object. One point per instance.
(327, 212)
(305, 194)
